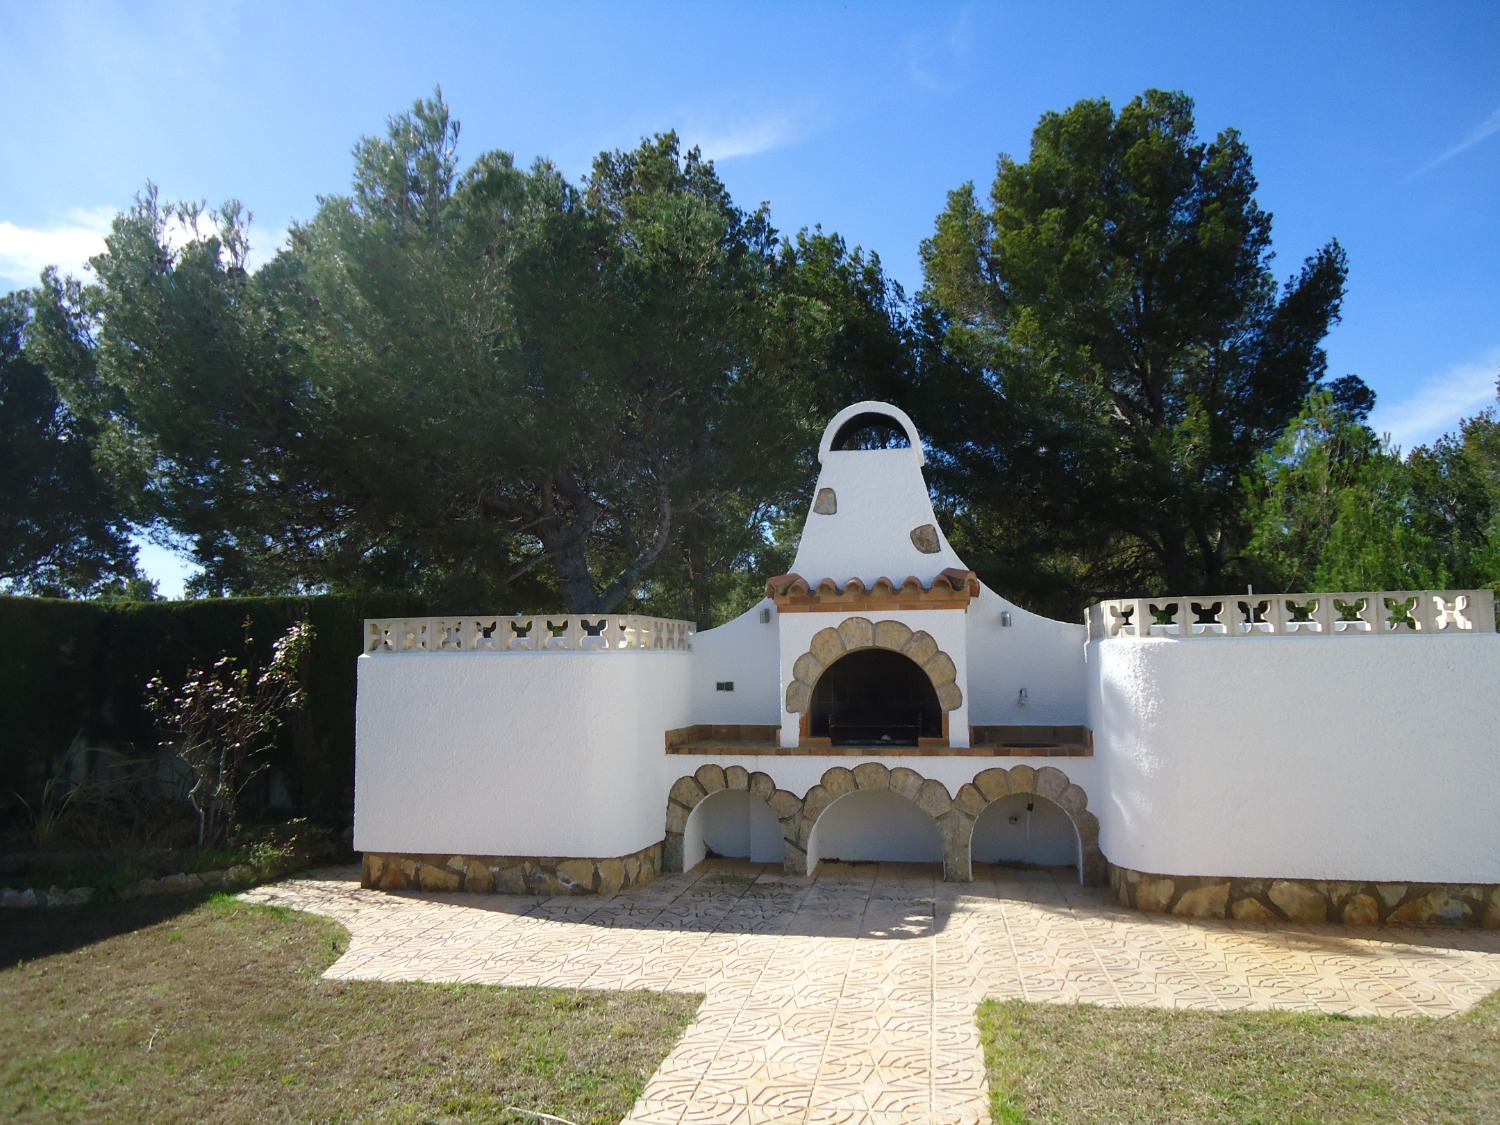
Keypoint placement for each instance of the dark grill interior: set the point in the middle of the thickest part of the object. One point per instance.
(874, 697)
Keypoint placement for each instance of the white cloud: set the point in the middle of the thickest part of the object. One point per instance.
(936, 59)
(26, 251)
(749, 138)
(1439, 403)
(263, 246)
(1486, 128)
(70, 243)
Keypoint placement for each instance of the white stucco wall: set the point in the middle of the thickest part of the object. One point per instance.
(882, 497)
(1036, 653)
(1316, 758)
(549, 753)
(743, 652)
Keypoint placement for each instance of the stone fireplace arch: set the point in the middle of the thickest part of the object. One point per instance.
(856, 633)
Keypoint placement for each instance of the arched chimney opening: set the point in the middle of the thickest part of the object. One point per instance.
(871, 431)
(874, 697)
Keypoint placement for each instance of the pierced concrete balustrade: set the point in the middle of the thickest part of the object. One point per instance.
(586, 632)
(1381, 613)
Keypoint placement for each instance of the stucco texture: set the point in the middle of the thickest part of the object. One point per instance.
(550, 753)
(1314, 758)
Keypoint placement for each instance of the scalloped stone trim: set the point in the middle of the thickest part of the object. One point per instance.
(955, 814)
(855, 633)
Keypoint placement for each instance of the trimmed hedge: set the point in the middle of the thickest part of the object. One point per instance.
(71, 669)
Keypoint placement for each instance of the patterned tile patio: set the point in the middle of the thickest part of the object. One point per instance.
(850, 997)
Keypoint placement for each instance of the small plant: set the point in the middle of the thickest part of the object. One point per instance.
(85, 776)
(220, 720)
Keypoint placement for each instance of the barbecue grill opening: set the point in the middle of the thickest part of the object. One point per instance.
(874, 697)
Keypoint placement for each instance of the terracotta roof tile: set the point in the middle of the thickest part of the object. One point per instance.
(784, 585)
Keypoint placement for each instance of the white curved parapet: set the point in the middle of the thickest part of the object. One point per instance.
(1375, 613)
(560, 632)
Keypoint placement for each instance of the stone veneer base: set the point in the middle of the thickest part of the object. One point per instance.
(509, 874)
(1474, 905)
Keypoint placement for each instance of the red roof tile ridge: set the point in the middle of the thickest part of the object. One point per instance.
(954, 578)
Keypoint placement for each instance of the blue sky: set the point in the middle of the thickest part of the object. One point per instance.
(1378, 124)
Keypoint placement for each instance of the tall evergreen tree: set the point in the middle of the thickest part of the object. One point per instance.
(1111, 352)
(64, 534)
(484, 383)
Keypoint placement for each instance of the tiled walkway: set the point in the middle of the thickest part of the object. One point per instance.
(850, 997)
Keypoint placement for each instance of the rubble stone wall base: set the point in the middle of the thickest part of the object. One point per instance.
(510, 874)
(1301, 901)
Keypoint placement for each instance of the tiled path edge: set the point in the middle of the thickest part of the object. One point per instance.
(850, 997)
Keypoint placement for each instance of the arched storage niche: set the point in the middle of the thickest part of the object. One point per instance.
(735, 823)
(1025, 828)
(952, 815)
(874, 696)
(853, 829)
(689, 793)
(874, 824)
(995, 795)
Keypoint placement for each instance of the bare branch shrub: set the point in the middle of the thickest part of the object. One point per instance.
(220, 721)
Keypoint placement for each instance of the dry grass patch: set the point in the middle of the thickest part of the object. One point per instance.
(214, 1010)
(1057, 1063)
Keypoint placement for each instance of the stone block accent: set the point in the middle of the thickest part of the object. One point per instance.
(1073, 800)
(839, 781)
(1309, 901)
(925, 539)
(826, 503)
(798, 697)
(1051, 783)
(1252, 910)
(1298, 902)
(814, 801)
(857, 633)
(515, 875)
(710, 776)
(891, 635)
(993, 783)
(969, 800)
(906, 781)
(1360, 910)
(1204, 902)
(687, 791)
(933, 799)
(920, 648)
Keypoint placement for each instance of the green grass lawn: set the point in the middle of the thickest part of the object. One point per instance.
(1057, 1063)
(209, 1009)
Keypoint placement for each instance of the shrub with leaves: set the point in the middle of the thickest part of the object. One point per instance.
(220, 720)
